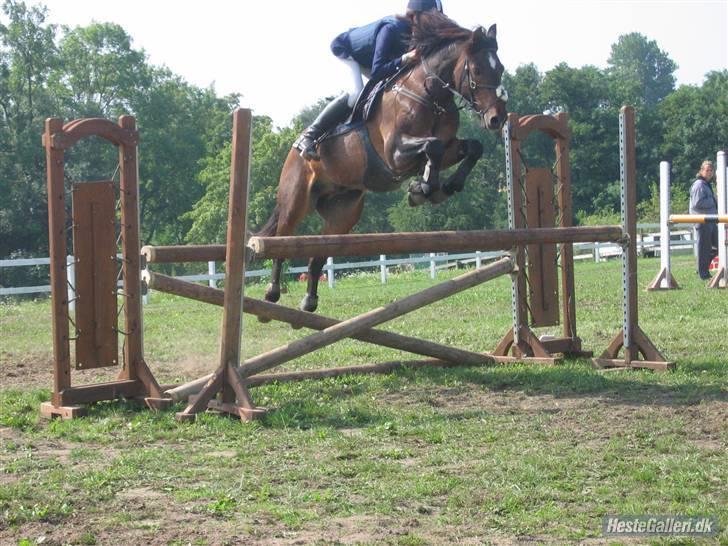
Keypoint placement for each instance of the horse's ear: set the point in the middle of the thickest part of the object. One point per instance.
(478, 34)
(491, 32)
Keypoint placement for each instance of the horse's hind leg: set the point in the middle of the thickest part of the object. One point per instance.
(293, 203)
(340, 211)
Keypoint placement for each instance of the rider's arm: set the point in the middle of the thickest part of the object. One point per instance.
(387, 53)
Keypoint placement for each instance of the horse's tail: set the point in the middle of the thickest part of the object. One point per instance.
(271, 226)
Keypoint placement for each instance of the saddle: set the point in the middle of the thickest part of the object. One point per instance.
(365, 104)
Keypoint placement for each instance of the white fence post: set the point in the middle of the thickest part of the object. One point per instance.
(330, 271)
(71, 274)
(383, 268)
(478, 259)
(211, 282)
(433, 271)
(597, 257)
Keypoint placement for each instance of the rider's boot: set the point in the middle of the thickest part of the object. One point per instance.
(334, 113)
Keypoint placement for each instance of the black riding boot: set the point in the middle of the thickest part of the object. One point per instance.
(334, 113)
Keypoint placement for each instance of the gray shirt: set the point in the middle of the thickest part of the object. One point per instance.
(702, 199)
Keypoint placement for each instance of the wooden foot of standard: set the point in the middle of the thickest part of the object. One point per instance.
(234, 397)
(528, 349)
(641, 344)
(49, 411)
(657, 282)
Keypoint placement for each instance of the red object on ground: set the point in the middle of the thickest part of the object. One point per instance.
(713, 265)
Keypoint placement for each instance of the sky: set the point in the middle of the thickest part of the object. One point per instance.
(276, 53)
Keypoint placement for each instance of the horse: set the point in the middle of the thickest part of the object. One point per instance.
(412, 130)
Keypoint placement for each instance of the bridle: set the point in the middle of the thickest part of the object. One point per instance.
(472, 86)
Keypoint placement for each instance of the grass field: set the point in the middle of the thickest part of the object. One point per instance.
(491, 455)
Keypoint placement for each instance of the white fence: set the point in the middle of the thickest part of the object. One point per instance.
(649, 244)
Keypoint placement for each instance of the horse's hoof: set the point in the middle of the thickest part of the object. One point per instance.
(309, 303)
(416, 199)
(272, 293)
(419, 187)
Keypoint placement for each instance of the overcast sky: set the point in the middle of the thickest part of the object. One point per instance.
(276, 53)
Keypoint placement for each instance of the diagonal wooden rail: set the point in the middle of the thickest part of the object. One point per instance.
(355, 325)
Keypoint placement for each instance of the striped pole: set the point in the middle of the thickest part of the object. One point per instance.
(699, 218)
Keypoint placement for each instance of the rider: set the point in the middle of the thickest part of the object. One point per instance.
(376, 50)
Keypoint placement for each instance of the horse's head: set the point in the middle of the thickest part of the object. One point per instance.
(478, 74)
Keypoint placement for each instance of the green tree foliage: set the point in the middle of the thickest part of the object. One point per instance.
(695, 126)
(208, 216)
(27, 52)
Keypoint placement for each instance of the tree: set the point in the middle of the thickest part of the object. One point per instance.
(640, 73)
(99, 71)
(695, 125)
(209, 214)
(27, 53)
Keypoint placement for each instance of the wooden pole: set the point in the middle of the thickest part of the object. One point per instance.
(234, 396)
(373, 244)
(58, 250)
(372, 318)
(183, 253)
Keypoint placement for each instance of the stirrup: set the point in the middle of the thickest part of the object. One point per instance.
(306, 147)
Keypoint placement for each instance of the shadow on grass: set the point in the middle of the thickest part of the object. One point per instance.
(365, 400)
(316, 403)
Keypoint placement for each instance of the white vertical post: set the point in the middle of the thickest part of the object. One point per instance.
(211, 282)
(383, 268)
(722, 196)
(71, 273)
(433, 271)
(478, 259)
(330, 271)
(597, 255)
(664, 223)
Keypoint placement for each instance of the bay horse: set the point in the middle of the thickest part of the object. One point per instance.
(411, 131)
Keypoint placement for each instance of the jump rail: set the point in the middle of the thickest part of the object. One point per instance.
(446, 241)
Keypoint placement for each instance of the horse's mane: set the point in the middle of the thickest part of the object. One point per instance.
(432, 31)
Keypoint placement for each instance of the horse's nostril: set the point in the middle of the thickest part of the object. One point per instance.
(494, 122)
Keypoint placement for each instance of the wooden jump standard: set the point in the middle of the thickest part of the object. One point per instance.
(95, 249)
(630, 337)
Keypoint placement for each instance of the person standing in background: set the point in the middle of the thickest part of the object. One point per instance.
(703, 201)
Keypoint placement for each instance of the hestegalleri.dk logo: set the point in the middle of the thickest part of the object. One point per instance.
(659, 526)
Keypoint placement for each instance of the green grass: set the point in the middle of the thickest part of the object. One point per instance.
(416, 457)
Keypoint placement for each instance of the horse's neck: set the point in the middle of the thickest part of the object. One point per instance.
(442, 65)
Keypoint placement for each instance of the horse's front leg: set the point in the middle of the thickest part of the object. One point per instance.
(411, 149)
(273, 290)
(310, 300)
(467, 153)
